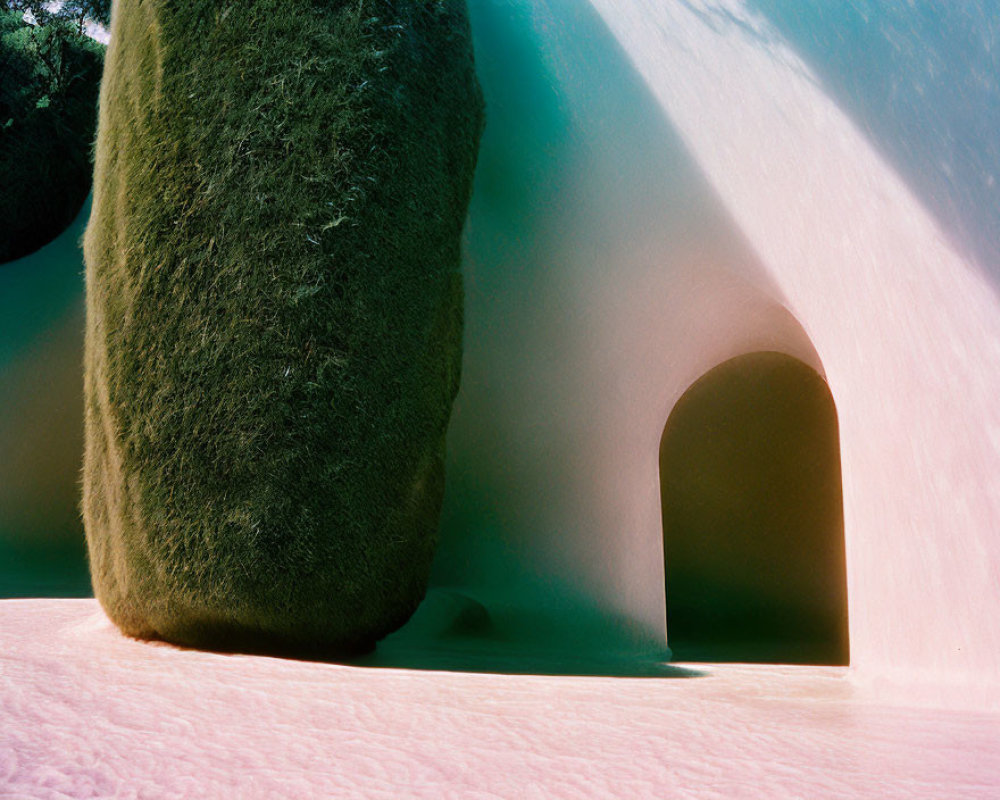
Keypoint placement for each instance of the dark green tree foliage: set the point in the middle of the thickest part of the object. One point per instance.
(79, 12)
(49, 78)
(274, 315)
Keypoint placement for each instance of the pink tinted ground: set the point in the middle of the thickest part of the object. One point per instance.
(86, 712)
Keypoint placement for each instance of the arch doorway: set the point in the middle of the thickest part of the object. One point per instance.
(753, 526)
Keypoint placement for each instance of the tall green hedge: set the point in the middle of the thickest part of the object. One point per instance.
(49, 78)
(274, 315)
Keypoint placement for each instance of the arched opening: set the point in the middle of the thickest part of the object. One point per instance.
(753, 526)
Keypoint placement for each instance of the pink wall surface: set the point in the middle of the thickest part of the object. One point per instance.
(706, 198)
(906, 329)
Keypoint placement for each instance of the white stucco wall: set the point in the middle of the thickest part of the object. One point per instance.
(603, 277)
(686, 191)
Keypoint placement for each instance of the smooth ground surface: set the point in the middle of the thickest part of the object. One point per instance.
(85, 712)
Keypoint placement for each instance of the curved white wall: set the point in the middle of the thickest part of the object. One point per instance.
(696, 195)
(908, 330)
(603, 277)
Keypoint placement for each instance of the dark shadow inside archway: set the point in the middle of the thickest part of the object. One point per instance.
(753, 527)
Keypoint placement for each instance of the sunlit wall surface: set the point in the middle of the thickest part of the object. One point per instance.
(603, 277)
(667, 185)
(898, 301)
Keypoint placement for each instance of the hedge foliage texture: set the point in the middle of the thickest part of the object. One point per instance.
(274, 315)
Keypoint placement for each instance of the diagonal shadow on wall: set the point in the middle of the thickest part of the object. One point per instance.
(921, 80)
